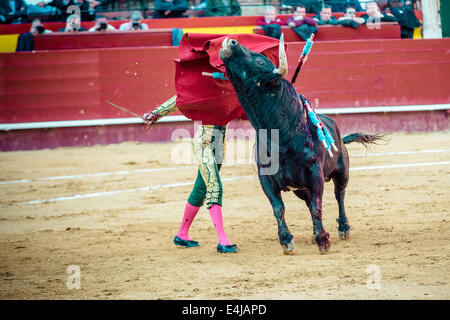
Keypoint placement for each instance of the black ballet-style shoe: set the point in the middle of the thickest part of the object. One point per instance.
(232, 248)
(185, 243)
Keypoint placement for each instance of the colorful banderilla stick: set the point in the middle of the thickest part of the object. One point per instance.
(303, 57)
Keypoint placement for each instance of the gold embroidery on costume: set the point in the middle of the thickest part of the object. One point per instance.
(209, 149)
(167, 107)
(207, 144)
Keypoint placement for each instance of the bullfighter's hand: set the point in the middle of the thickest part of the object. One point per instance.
(149, 120)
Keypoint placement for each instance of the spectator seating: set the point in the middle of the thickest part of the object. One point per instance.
(388, 30)
(160, 33)
(203, 22)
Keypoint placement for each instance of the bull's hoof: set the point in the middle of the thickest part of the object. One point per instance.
(343, 230)
(344, 235)
(288, 249)
(323, 242)
(313, 239)
(323, 249)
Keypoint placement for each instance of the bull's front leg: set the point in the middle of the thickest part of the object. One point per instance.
(274, 196)
(322, 238)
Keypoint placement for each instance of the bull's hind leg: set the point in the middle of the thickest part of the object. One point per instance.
(340, 183)
(274, 196)
(340, 178)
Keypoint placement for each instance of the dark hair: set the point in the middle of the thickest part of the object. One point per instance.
(350, 7)
(40, 29)
(294, 8)
(326, 6)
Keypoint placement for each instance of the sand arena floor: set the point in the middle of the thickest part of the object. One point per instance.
(101, 216)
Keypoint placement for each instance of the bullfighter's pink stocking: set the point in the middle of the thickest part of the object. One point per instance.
(190, 212)
(216, 215)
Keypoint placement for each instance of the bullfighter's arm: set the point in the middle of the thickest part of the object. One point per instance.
(163, 110)
(166, 108)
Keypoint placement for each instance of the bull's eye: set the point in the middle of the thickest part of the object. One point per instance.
(260, 61)
(234, 42)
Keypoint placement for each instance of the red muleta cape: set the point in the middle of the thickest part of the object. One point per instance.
(203, 98)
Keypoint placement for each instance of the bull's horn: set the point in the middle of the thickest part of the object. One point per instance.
(283, 65)
(225, 43)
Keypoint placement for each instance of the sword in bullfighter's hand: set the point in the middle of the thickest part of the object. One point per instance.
(148, 118)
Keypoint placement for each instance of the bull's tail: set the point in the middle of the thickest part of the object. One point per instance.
(363, 138)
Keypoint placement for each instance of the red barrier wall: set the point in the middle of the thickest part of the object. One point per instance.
(375, 72)
(118, 39)
(72, 85)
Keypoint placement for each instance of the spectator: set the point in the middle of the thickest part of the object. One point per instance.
(73, 24)
(382, 4)
(301, 24)
(221, 8)
(300, 18)
(404, 12)
(271, 23)
(350, 19)
(25, 41)
(101, 5)
(341, 5)
(270, 17)
(326, 16)
(101, 24)
(374, 15)
(38, 28)
(40, 7)
(170, 8)
(199, 7)
(135, 23)
(12, 11)
(311, 6)
(87, 8)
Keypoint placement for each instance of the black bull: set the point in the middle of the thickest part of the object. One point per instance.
(271, 102)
